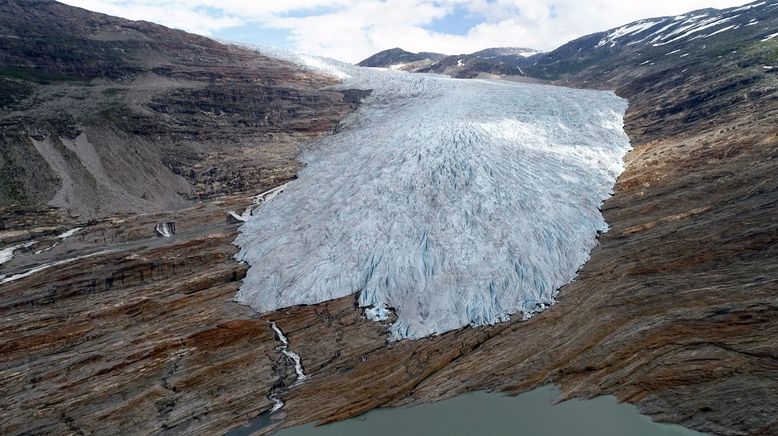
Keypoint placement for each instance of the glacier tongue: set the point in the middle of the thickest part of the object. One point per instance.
(453, 202)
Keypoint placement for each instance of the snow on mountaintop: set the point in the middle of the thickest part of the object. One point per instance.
(452, 202)
(691, 27)
(495, 60)
(505, 51)
(751, 6)
(630, 29)
(528, 53)
(662, 31)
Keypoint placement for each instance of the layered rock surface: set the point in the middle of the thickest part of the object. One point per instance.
(676, 311)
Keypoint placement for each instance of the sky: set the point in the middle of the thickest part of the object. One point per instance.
(351, 30)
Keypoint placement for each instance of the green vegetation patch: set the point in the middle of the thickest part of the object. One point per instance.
(759, 53)
(113, 92)
(13, 91)
(35, 75)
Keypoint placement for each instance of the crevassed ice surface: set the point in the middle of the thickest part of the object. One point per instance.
(454, 202)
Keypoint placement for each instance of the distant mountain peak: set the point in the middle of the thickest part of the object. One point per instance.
(397, 56)
(496, 60)
(507, 51)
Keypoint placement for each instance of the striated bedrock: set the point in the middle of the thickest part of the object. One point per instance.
(452, 202)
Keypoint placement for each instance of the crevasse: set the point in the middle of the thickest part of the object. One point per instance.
(453, 202)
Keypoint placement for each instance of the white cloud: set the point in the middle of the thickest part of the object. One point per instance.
(351, 30)
(176, 14)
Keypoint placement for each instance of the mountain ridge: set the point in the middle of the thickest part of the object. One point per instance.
(675, 311)
(88, 99)
(496, 60)
(623, 45)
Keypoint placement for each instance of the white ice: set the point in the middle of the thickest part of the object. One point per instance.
(721, 31)
(258, 201)
(745, 8)
(294, 357)
(7, 279)
(452, 202)
(278, 404)
(241, 218)
(7, 254)
(377, 313)
(631, 29)
(61, 237)
(164, 230)
(689, 28)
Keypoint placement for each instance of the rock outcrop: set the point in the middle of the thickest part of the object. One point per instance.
(106, 115)
(676, 311)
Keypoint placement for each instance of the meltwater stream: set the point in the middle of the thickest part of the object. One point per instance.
(451, 202)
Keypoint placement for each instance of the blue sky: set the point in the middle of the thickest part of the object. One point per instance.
(458, 22)
(351, 30)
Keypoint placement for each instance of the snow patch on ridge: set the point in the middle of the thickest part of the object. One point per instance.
(690, 27)
(751, 6)
(632, 29)
(769, 37)
(453, 202)
(61, 237)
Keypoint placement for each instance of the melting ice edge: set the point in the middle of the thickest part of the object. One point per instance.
(454, 202)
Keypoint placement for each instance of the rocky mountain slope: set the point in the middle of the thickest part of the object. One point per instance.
(649, 47)
(501, 61)
(399, 59)
(676, 311)
(641, 48)
(102, 115)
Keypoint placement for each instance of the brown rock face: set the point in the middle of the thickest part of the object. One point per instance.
(677, 310)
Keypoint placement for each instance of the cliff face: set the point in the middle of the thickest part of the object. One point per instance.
(103, 115)
(676, 310)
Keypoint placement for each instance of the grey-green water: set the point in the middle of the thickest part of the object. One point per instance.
(531, 414)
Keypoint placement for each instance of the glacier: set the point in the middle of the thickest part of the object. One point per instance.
(450, 202)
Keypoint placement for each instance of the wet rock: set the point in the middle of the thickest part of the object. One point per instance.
(165, 230)
(234, 218)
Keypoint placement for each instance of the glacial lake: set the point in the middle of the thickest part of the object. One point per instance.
(532, 414)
